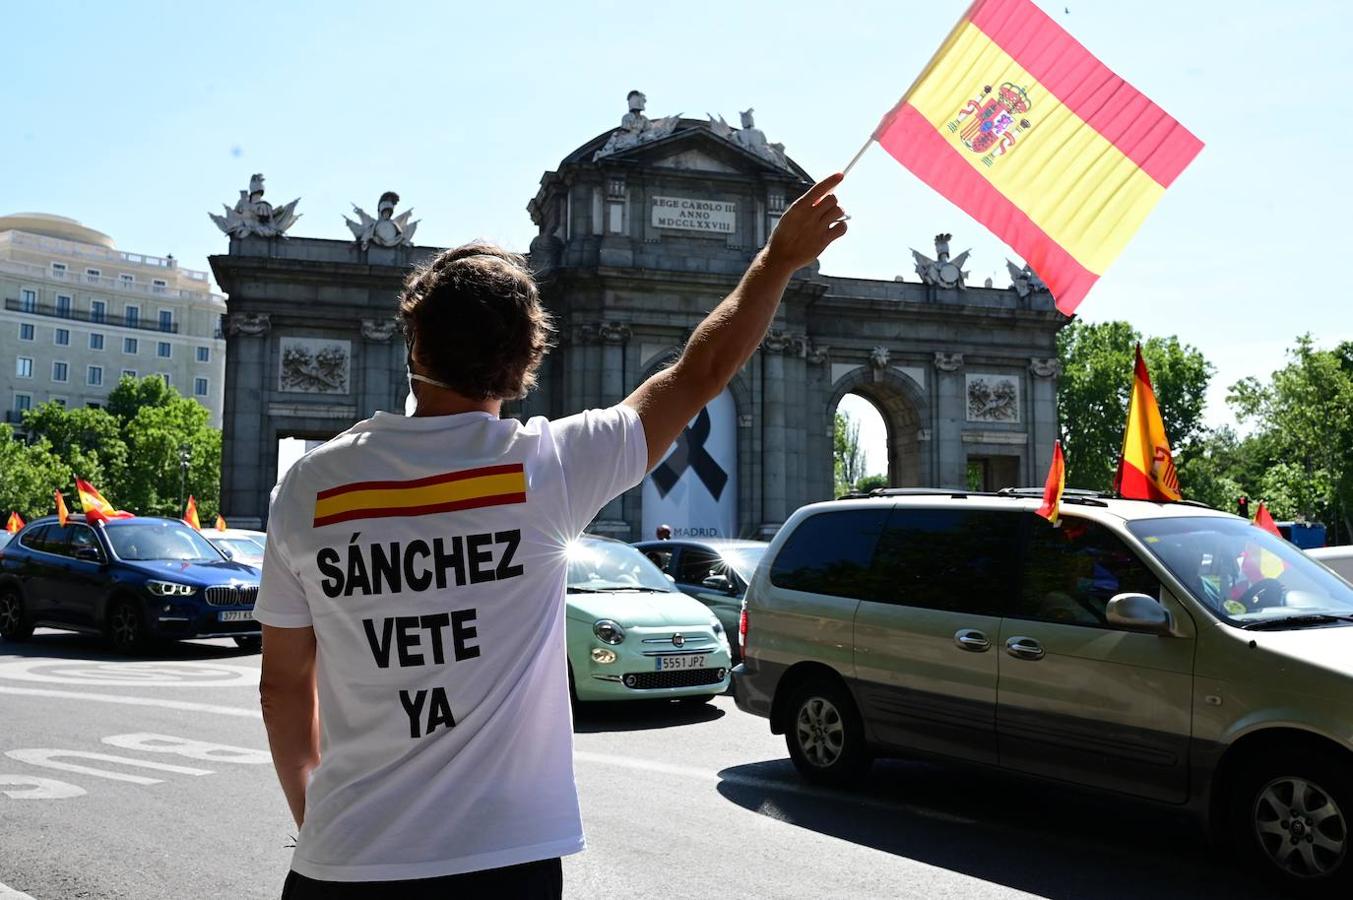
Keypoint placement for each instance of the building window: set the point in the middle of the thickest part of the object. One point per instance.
(158, 285)
(129, 345)
(204, 354)
(59, 401)
(23, 367)
(200, 387)
(132, 315)
(63, 306)
(60, 372)
(26, 331)
(61, 336)
(58, 270)
(166, 320)
(165, 376)
(126, 280)
(98, 310)
(92, 275)
(96, 340)
(164, 350)
(23, 402)
(128, 373)
(28, 301)
(94, 376)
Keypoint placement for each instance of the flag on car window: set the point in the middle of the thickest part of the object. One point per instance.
(220, 523)
(1146, 469)
(1264, 519)
(14, 524)
(96, 508)
(1026, 131)
(61, 511)
(1052, 491)
(190, 514)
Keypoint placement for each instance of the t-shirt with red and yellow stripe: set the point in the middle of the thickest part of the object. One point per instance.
(428, 554)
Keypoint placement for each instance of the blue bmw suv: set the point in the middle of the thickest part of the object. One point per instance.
(132, 580)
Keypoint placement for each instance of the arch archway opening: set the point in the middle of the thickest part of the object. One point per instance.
(883, 415)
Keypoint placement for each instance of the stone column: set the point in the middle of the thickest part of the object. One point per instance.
(950, 414)
(613, 336)
(1043, 431)
(245, 487)
(379, 389)
(774, 506)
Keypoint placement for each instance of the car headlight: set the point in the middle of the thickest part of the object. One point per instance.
(608, 631)
(170, 589)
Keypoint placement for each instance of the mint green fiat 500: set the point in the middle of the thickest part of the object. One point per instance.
(632, 635)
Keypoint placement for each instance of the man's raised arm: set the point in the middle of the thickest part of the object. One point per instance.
(730, 334)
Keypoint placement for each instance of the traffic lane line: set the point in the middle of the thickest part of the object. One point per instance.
(182, 705)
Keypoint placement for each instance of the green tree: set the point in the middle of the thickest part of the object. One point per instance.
(89, 440)
(31, 473)
(847, 456)
(1092, 398)
(869, 482)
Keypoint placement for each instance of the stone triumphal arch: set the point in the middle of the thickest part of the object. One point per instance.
(640, 232)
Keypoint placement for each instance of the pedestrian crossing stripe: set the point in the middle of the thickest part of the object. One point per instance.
(450, 491)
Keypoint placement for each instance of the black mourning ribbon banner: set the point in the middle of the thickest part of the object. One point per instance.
(690, 453)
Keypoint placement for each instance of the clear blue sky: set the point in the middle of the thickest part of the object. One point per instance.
(138, 117)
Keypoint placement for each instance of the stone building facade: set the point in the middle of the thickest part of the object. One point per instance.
(641, 231)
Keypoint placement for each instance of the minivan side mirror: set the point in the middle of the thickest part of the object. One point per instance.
(88, 554)
(1139, 612)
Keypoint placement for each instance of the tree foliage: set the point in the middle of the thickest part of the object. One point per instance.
(847, 455)
(1092, 399)
(129, 450)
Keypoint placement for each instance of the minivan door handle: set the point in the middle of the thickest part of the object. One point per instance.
(972, 640)
(1024, 648)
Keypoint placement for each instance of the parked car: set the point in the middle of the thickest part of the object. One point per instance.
(632, 635)
(1340, 559)
(714, 571)
(1165, 651)
(131, 580)
(239, 544)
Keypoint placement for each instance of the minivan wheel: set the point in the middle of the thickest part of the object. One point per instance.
(14, 624)
(1294, 819)
(825, 736)
(126, 630)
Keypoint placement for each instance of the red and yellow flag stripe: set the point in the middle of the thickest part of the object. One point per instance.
(1074, 158)
(450, 491)
(1146, 469)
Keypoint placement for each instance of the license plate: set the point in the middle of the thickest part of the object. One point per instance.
(236, 615)
(671, 663)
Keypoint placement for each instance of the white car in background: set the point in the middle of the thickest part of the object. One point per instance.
(1339, 559)
(239, 544)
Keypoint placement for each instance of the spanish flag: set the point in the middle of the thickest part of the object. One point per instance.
(190, 514)
(1264, 519)
(96, 508)
(61, 513)
(1146, 468)
(1052, 491)
(220, 523)
(1020, 126)
(15, 523)
(450, 491)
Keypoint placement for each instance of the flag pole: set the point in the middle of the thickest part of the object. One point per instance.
(856, 158)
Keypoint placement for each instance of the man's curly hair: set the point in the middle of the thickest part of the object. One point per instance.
(473, 320)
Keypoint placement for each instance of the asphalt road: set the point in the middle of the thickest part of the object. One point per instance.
(149, 778)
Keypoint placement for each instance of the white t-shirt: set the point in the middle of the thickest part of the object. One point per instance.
(429, 556)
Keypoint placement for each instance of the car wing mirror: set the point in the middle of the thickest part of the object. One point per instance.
(88, 554)
(717, 583)
(1139, 612)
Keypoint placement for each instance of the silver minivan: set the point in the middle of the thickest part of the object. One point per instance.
(1165, 651)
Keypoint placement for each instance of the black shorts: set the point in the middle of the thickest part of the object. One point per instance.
(542, 880)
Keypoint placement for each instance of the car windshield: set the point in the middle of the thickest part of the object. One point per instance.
(1246, 575)
(240, 549)
(160, 540)
(595, 566)
(744, 560)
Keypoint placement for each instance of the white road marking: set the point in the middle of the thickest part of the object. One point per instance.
(147, 742)
(184, 705)
(129, 673)
(47, 758)
(9, 893)
(38, 789)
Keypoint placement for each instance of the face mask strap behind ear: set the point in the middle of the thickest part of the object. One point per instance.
(414, 376)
